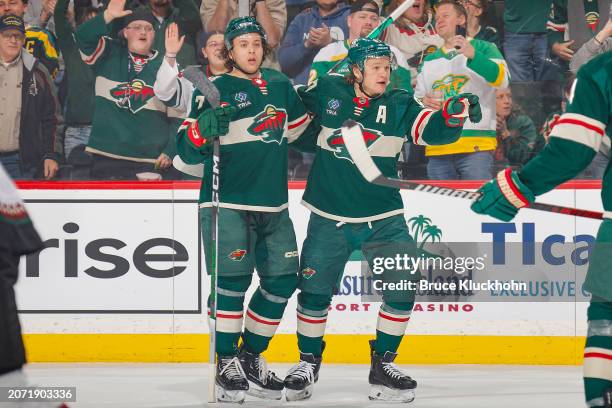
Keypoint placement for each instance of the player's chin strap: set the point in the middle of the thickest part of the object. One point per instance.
(365, 93)
(235, 65)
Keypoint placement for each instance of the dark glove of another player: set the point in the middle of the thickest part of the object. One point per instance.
(503, 196)
(210, 124)
(454, 110)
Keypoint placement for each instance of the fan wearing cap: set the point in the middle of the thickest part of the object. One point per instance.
(364, 18)
(29, 108)
(260, 115)
(39, 41)
(130, 129)
(349, 214)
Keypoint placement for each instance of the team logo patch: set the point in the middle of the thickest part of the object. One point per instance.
(132, 95)
(269, 125)
(592, 19)
(360, 104)
(336, 142)
(451, 85)
(332, 107)
(241, 96)
(308, 273)
(237, 255)
(243, 100)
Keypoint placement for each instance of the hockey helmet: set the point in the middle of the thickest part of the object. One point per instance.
(365, 48)
(240, 26)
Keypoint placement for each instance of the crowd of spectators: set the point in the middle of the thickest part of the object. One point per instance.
(78, 93)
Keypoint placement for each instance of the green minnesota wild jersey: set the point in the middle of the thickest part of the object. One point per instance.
(253, 155)
(335, 188)
(129, 121)
(578, 134)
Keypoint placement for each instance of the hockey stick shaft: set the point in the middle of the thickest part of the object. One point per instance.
(379, 29)
(212, 95)
(472, 195)
(353, 140)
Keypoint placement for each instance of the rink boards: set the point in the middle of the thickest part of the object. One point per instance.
(123, 279)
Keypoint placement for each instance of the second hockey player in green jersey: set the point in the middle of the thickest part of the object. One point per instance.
(350, 214)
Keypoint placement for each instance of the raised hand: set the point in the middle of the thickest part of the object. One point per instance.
(174, 42)
(115, 9)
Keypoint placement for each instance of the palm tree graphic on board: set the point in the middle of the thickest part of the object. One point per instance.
(423, 230)
(418, 224)
(431, 232)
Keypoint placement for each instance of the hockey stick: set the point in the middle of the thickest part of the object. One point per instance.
(212, 95)
(356, 146)
(376, 32)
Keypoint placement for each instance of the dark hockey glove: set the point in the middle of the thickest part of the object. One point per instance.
(210, 124)
(457, 108)
(503, 196)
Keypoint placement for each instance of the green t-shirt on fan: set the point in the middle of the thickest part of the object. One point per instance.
(526, 16)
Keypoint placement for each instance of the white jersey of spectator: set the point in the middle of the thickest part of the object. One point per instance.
(450, 73)
(172, 89)
(413, 40)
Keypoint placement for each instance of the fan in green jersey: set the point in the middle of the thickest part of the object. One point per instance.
(260, 115)
(574, 141)
(349, 214)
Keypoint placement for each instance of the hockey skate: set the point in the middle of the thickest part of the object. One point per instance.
(262, 382)
(230, 383)
(301, 377)
(388, 382)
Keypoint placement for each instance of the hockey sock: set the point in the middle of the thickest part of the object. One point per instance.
(230, 301)
(311, 320)
(266, 311)
(598, 353)
(392, 321)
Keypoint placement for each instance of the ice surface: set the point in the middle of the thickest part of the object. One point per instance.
(185, 385)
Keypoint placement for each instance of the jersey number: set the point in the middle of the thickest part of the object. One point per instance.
(200, 101)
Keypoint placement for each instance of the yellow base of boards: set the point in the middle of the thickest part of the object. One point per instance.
(341, 348)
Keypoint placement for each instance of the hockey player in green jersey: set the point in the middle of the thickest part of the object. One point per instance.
(349, 214)
(574, 141)
(260, 114)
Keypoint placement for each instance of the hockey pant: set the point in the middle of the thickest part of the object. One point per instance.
(12, 354)
(251, 240)
(326, 251)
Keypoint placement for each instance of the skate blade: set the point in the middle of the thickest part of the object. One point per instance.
(382, 393)
(297, 395)
(259, 392)
(235, 396)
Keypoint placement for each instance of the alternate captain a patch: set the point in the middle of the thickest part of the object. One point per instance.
(132, 95)
(269, 125)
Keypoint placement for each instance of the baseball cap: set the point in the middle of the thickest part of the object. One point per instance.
(11, 21)
(365, 5)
